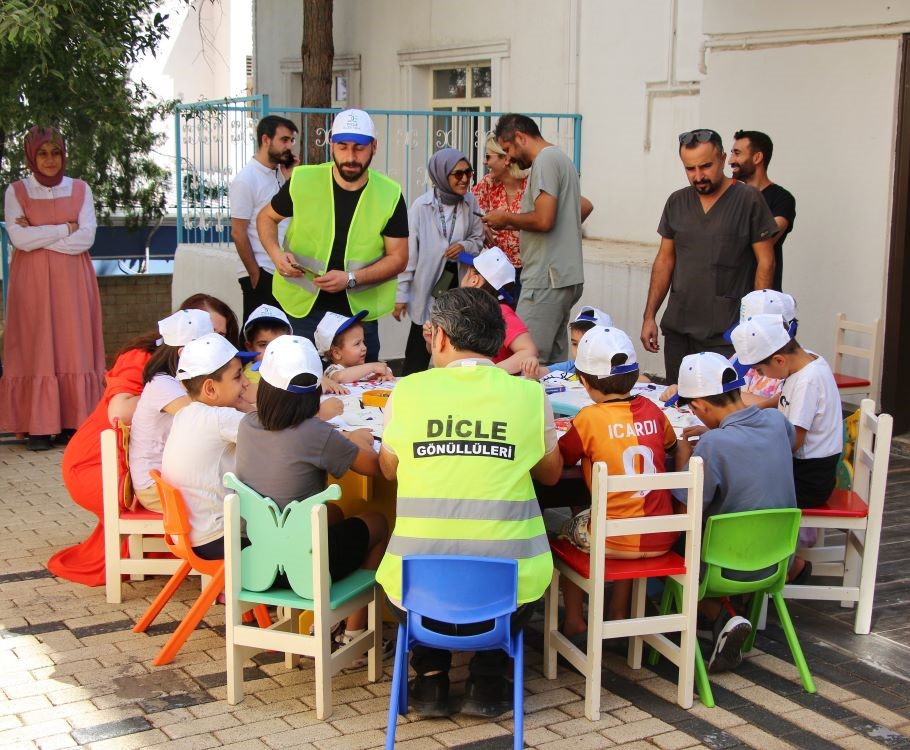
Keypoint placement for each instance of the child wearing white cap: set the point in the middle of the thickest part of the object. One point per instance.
(587, 318)
(623, 431)
(203, 437)
(492, 271)
(746, 453)
(161, 398)
(809, 399)
(340, 342)
(284, 451)
(265, 324)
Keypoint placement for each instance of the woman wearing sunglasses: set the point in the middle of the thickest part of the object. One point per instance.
(443, 222)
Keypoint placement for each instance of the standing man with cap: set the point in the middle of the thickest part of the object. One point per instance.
(252, 188)
(717, 245)
(347, 240)
(749, 160)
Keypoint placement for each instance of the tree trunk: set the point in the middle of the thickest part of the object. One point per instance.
(318, 53)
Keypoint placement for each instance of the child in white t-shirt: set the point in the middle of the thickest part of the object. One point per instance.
(339, 341)
(203, 439)
(162, 397)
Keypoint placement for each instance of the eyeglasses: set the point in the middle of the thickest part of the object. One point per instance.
(487, 157)
(698, 136)
(462, 174)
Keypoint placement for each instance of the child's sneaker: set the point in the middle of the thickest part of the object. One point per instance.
(728, 643)
(387, 648)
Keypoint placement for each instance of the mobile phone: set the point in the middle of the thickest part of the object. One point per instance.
(289, 161)
(304, 269)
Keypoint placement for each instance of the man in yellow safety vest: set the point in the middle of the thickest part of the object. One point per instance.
(347, 239)
(464, 440)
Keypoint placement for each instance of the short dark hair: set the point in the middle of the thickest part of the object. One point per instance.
(471, 319)
(582, 326)
(265, 324)
(194, 385)
(279, 409)
(268, 126)
(512, 123)
(719, 399)
(758, 141)
(789, 348)
(611, 383)
(163, 360)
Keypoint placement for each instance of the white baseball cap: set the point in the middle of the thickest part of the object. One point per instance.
(702, 375)
(330, 326)
(353, 126)
(594, 314)
(285, 358)
(184, 326)
(266, 312)
(598, 347)
(205, 355)
(767, 302)
(493, 264)
(758, 337)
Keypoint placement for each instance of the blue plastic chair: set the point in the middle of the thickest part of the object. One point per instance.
(459, 590)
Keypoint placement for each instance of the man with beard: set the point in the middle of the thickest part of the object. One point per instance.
(347, 239)
(749, 160)
(552, 210)
(717, 245)
(252, 188)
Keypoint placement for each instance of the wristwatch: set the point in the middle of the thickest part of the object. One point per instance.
(352, 282)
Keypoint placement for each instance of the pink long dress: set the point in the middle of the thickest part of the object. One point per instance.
(53, 353)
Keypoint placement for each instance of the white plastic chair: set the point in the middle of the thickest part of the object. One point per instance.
(123, 516)
(591, 571)
(859, 513)
(866, 383)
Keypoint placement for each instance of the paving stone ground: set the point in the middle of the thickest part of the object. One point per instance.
(73, 674)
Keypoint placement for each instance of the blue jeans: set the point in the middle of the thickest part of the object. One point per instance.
(306, 327)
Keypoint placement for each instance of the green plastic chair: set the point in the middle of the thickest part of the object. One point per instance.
(746, 542)
(293, 541)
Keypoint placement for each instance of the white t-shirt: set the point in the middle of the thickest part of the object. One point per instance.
(151, 426)
(254, 186)
(809, 399)
(199, 450)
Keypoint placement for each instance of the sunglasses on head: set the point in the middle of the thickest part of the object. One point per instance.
(698, 136)
(462, 174)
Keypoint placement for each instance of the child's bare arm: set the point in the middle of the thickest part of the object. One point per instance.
(331, 407)
(531, 368)
(367, 461)
(362, 372)
(522, 348)
(800, 438)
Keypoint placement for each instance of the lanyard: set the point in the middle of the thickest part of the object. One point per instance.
(442, 221)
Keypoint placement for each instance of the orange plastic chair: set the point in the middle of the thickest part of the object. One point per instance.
(177, 538)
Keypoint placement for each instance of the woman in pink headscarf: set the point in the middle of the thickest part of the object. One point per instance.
(53, 350)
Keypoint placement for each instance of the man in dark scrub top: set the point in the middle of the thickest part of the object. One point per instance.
(717, 245)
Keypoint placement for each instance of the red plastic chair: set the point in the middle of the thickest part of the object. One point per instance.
(177, 537)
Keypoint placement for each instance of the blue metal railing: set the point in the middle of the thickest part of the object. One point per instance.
(215, 139)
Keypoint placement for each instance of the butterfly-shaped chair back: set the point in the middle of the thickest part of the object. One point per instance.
(281, 541)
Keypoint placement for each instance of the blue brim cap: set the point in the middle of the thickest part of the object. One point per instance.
(356, 318)
(740, 368)
(465, 258)
(361, 140)
(246, 356)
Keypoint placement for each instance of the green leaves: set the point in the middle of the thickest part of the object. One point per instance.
(66, 63)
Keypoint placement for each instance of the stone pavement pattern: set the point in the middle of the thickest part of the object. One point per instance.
(72, 674)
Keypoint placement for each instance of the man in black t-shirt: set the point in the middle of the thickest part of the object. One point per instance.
(749, 160)
(353, 146)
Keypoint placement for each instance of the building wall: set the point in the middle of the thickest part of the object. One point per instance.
(130, 306)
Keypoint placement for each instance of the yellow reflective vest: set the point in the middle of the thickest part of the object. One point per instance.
(312, 231)
(466, 438)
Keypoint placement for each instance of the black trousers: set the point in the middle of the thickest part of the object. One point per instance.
(678, 345)
(261, 295)
(483, 664)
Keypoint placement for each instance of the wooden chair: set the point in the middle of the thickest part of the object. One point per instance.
(866, 383)
(177, 537)
(124, 517)
(591, 571)
(293, 541)
(858, 512)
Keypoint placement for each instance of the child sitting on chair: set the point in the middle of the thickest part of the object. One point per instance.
(161, 398)
(628, 433)
(746, 453)
(493, 272)
(339, 341)
(265, 323)
(201, 445)
(284, 452)
(586, 319)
